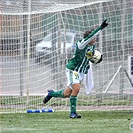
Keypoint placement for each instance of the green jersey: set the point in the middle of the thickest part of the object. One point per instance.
(80, 61)
(83, 54)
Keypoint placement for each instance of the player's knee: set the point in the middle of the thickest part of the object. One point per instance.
(67, 95)
(67, 92)
(76, 89)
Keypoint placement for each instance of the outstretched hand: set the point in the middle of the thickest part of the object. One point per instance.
(104, 24)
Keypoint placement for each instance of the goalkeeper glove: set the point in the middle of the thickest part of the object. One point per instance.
(104, 24)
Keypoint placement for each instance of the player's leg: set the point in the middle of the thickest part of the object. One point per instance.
(75, 86)
(73, 101)
(60, 93)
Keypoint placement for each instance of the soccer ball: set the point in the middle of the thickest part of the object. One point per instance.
(96, 57)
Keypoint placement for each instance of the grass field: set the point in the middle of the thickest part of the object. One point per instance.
(59, 122)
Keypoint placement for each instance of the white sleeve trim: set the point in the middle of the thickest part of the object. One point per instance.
(82, 44)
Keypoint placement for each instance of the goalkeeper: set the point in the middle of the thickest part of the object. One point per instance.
(76, 68)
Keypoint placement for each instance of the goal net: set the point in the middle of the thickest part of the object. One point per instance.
(38, 37)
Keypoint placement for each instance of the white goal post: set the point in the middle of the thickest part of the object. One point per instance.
(37, 38)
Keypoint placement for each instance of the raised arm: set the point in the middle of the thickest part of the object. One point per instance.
(82, 44)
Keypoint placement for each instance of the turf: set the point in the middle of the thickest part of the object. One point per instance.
(59, 122)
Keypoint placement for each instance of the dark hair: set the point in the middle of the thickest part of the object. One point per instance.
(89, 31)
(86, 33)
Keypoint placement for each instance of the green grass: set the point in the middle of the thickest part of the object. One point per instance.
(59, 122)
